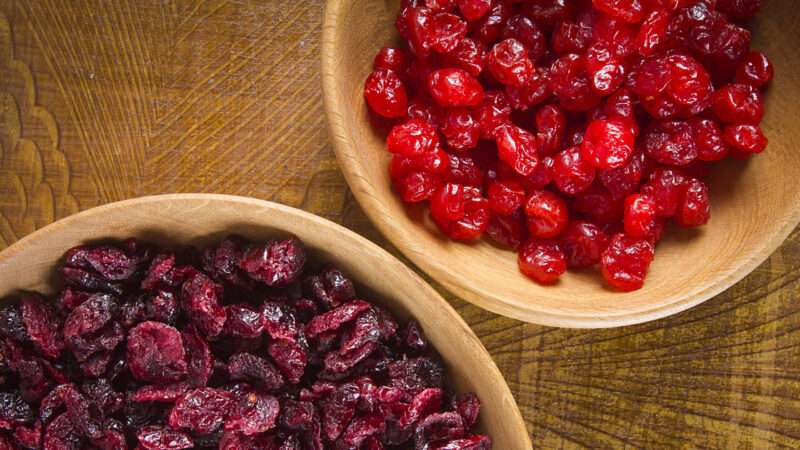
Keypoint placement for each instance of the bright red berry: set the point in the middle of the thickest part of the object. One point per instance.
(543, 261)
(386, 94)
(608, 144)
(546, 214)
(640, 215)
(625, 261)
(454, 87)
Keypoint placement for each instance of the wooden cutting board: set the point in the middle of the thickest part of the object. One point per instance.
(107, 100)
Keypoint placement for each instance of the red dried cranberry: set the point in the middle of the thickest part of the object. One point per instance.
(571, 172)
(517, 148)
(627, 10)
(525, 30)
(623, 180)
(252, 413)
(739, 9)
(608, 144)
(542, 261)
(546, 213)
(738, 103)
(570, 37)
(454, 87)
(199, 300)
(277, 263)
(745, 138)
(570, 84)
(474, 9)
(625, 262)
(708, 138)
(242, 321)
(474, 220)
(582, 243)
(756, 70)
(670, 143)
(42, 326)
(446, 31)
(694, 209)
(461, 129)
(509, 231)
(155, 353)
(508, 62)
(386, 94)
(505, 197)
(640, 215)
(201, 410)
(468, 55)
(391, 58)
(161, 438)
(492, 113)
(666, 186)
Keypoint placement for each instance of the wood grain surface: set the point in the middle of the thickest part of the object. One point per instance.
(106, 100)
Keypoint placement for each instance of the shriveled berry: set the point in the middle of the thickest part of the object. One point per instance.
(252, 413)
(551, 124)
(391, 58)
(666, 186)
(608, 143)
(493, 112)
(276, 263)
(598, 204)
(201, 410)
(517, 148)
(469, 55)
(508, 62)
(488, 28)
(42, 326)
(448, 202)
(625, 261)
(738, 103)
(694, 209)
(474, 9)
(739, 9)
(509, 231)
(572, 172)
(526, 31)
(242, 321)
(627, 10)
(412, 138)
(454, 87)
(570, 37)
(162, 438)
(546, 213)
(708, 139)
(199, 300)
(505, 197)
(386, 94)
(571, 85)
(670, 142)
(755, 70)
(542, 261)
(640, 215)
(254, 369)
(474, 220)
(623, 180)
(446, 31)
(417, 186)
(745, 138)
(582, 243)
(652, 34)
(156, 353)
(461, 129)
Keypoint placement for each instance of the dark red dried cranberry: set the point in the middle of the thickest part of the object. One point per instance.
(161, 438)
(201, 410)
(276, 263)
(156, 353)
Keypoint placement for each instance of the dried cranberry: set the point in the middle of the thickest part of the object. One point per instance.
(474, 9)
(572, 172)
(625, 261)
(546, 213)
(745, 138)
(671, 143)
(508, 62)
(391, 58)
(161, 438)
(468, 55)
(42, 326)
(252, 413)
(738, 103)
(201, 410)
(156, 353)
(386, 94)
(582, 243)
(247, 367)
(608, 144)
(640, 215)
(755, 70)
(666, 186)
(461, 129)
(517, 148)
(200, 301)
(276, 263)
(694, 209)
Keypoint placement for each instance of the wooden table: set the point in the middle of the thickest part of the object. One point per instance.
(106, 100)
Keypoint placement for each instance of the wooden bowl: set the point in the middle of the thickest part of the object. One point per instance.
(203, 219)
(754, 205)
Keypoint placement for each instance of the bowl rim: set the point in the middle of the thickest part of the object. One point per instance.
(357, 178)
(466, 336)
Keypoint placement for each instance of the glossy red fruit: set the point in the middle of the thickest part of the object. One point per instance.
(461, 129)
(582, 243)
(493, 112)
(652, 34)
(695, 207)
(571, 172)
(756, 70)
(417, 186)
(509, 64)
(469, 55)
(570, 83)
(625, 261)
(745, 138)
(666, 186)
(517, 148)
(740, 9)
(474, 9)
(671, 143)
(708, 139)
(505, 197)
(546, 213)
(620, 104)
(412, 138)
(454, 87)
(474, 220)
(391, 58)
(463, 170)
(608, 143)
(447, 203)
(542, 260)
(386, 94)
(533, 92)
(551, 124)
(526, 31)
(598, 205)
(738, 103)
(640, 215)
(487, 29)
(509, 231)
(624, 180)
(446, 31)
(570, 37)
(627, 10)
(690, 84)
(155, 353)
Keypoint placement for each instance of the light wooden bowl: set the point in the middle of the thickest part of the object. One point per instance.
(203, 219)
(754, 206)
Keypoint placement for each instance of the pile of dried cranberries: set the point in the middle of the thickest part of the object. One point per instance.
(571, 131)
(232, 347)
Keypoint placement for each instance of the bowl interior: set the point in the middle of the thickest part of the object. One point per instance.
(754, 203)
(202, 219)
